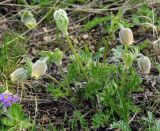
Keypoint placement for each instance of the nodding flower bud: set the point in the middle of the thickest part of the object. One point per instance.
(62, 21)
(28, 19)
(126, 36)
(39, 68)
(144, 64)
(19, 75)
(156, 46)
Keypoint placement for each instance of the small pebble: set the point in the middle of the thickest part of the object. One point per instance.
(85, 36)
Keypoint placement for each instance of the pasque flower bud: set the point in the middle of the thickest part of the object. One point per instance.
(144, 64)
(39, 68)
(28, 19)
(62, 21)
(126, 36)
(19, 75)
(156, 46)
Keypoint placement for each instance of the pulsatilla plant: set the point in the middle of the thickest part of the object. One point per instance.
(19, 75)
(126, 36)
(144, 64)
(62, 20)
(28, 19)
(107, 87)
(39, 68)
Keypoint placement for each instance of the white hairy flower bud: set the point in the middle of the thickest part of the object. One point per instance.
(28, 19)
(19, 75)
(39, 68)
(126, 36)
(62, 21)
(144, 64)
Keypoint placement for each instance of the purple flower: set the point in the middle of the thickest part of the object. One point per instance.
(7, 99)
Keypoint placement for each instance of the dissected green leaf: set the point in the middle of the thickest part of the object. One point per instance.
(15, 117)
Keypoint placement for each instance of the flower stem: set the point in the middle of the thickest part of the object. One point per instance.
(53, 79)
(76, 56)
(7, 90)
(22, 85)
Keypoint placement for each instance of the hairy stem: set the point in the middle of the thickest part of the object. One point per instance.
(53, 79)
(76, 56)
